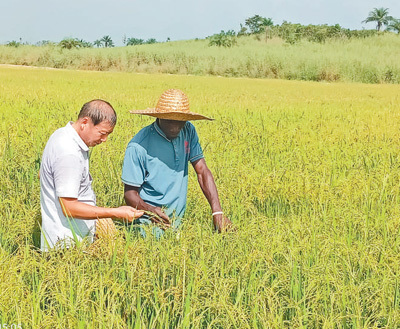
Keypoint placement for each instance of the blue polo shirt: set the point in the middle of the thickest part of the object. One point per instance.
(159, 166)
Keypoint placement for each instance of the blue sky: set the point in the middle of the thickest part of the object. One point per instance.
(179, 19)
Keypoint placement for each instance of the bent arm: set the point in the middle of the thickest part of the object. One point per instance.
(133, 199)
(71, 207)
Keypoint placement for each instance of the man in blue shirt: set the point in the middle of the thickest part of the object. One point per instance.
(155, 169)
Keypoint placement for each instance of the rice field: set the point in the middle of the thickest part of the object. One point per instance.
(308, 173)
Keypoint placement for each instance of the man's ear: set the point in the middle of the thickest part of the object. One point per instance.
(83, 122)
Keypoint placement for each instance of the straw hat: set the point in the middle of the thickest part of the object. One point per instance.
(172, 105)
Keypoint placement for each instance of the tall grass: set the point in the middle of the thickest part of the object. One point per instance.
(307, 172)
(369, 60)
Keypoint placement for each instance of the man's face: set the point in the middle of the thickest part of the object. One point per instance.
(94, 135)
(171, 128)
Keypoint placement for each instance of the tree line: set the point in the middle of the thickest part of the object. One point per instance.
(261, 27)
(75, 43)
(292, 33)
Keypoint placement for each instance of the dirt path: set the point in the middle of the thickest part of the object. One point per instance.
(29, 67)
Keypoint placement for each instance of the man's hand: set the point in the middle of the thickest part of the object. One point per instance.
(158, 216)
(127, 214)
(160, 213)
(222, 223)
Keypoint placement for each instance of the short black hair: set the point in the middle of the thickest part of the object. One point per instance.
(98, 111)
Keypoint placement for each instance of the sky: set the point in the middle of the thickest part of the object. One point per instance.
(34, 21)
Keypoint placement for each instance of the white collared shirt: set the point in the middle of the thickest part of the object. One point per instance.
(64, 172)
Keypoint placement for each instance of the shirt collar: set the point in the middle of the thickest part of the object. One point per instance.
(160, 132)
(76, 137)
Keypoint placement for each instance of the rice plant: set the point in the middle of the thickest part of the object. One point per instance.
(308, 172)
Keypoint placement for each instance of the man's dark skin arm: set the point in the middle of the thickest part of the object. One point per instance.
(131, 194)
(207, 185)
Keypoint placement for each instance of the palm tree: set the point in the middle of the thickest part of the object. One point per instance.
(107, 41)
(85, 44)
(380, 16)
(266, 24)
(69, 43)
(134, 41)
(394, 26)
(98, 43)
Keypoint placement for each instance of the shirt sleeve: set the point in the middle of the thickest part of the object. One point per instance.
(196, 153)
(68, 172)
(134, 166)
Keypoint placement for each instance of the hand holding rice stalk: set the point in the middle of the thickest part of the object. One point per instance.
(163, 223)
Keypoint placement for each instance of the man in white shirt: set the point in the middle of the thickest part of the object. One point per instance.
(67, 200)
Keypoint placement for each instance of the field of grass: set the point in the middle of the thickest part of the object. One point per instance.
(369, 60)
(308, 173)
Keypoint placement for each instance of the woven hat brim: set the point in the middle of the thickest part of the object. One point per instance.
(178, 116)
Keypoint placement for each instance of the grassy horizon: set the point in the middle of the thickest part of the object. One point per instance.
(368, 60)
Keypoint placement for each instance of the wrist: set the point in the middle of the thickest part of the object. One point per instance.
(112, 213)
(217, 213)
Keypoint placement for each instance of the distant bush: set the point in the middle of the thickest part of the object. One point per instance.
(292, 33)
(223, 39)
(360, 34)
(70, 43)
(134, 42)
(85, 44)
(137, 42)
(151, 41)
(45, 43)
(13, 44)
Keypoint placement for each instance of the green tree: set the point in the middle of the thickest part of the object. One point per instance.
(258, 24)
(242, 31)
(289, 32)
(69, 43)
(394, 26)
(266, 25)
(134, 42)
(13, 44)
(380, 16)
(107, 41)
(151, 40)
(253, 23)
(98, 43)
(266, 22)
(85, 44)
(223, 39)
(45, 43)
